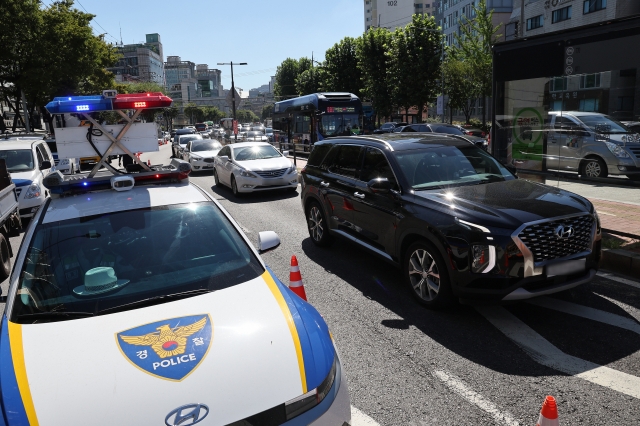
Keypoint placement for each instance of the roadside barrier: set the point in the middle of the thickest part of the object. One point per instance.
(548, 413)
(295, 279)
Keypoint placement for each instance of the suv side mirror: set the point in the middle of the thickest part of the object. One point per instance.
(379, 185)
(267, 240)
(46, 164)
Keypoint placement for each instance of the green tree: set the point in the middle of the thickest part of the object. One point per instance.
(374, 66)
(246, 116)
(399, 73)
(169, 114)
(267, 111)
(309, 81)
(341, 71)
(286, 74)
(460, 85)
(474, 44)
(212, 113)
(191, 110)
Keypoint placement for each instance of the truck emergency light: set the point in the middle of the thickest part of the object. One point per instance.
(70, 104)
(142, 100)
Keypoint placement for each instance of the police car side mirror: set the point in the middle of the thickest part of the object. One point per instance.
(46, 164)
(267, 240)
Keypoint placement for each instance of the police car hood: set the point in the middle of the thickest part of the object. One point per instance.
(245, 349)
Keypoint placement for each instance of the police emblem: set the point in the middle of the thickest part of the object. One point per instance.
(170, 349)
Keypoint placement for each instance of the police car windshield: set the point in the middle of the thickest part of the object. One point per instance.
(98, 264)
(18, 160)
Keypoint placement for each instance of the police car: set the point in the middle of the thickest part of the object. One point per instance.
(28, 161)
(137, 299)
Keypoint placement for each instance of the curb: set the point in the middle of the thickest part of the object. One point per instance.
(621, 261)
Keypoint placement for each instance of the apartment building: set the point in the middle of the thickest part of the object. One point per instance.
(393, 14)
(534, 17)
(140, 61)
(449, 14)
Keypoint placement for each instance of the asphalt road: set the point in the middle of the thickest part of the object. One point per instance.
(407, 365)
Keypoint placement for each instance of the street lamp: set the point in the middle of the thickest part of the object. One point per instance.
(233, 91)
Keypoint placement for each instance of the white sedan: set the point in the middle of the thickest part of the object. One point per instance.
(254, 166)
(256, 136)
(201, 153)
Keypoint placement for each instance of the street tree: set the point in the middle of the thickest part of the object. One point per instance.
(169, 114)
(191, 110)
(399, 73)
(474, 44)
(309, 81)
(460, 85)
(212, 113)
(340, 71)
(374, 65)
(286, 74)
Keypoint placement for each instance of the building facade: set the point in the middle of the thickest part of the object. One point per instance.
(450, 13)
(209, 81)
(392, 14)
(141, 61)
(181, 81)
(535, 17)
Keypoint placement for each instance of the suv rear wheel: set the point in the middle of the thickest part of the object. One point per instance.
(317, 225)
(426, 273)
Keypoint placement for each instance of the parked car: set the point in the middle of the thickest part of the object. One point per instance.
(181, 142)
(200, 153)
(254, 166)
(472, 131)
(268, 131)
(388, 127)
(449, 129)
(457, 223)
(593, 144)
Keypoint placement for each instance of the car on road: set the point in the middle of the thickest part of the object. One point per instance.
(178, 132)
(268, 131)
(471, 131)
(254, 166)
(450, 129)
(167, 312)
(456, 222)
(201, 153)
(256, 136)
(593, 144)
(28, 161)
(181, 142)
(387, 128)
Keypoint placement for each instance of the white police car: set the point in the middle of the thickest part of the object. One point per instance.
(28, 160)
(138, 300)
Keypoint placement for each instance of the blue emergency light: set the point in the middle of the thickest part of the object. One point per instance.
(70, 104)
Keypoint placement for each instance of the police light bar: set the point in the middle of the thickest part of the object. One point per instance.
(59, 184)
(70, 104)
(142, 100)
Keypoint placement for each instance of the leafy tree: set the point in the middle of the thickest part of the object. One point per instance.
(212, 113)
(286, 74)
(374, 66)
(309, 81)
(169, 114)
(460, 85)
(341, 71)
(267, 111)
(246, 116)
(399, 73)
(191, 110)
(474, 46)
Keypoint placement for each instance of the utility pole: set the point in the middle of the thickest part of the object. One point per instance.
(233, 93)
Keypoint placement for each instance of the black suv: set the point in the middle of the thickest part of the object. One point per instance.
(456, 221)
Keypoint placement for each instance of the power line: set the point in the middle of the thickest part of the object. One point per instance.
(97, 23)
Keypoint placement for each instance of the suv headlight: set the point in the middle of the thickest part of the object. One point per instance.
(33, 191)
(617, 150)
(484, 258)
(248, 174)
(306, 402)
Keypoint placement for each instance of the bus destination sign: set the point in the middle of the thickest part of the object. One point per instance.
(340, 109)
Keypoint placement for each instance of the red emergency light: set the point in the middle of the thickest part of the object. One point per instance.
(142, 100)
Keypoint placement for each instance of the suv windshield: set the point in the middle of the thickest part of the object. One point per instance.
(260, 152)
(603, 124)
(205, 146)
(18, 160)
(444, 166)
(109, 262)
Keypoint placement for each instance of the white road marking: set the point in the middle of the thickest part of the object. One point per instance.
(358, 418)
(586, 312)
(634, 312)
(605, 213)
(459, 387)
(543, 352)
(618, 279)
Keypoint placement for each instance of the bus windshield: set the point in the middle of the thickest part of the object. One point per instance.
(339, 125)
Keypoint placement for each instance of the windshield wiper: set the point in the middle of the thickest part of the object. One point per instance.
(55, 314)
(492, 178)
(154, 300)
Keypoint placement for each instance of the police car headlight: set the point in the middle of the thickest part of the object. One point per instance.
(248, 174)
(306, 402)
(33, 191)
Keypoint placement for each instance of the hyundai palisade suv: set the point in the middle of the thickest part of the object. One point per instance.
(457, 222)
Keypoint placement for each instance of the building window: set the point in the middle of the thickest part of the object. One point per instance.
(594, 5)
(590, 81)
(589, 105)
(558, 84)
(561, 15)
(535, 22)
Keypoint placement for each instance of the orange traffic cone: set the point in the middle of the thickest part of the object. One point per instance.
(295, 279)
(549, 412)
(149, 163)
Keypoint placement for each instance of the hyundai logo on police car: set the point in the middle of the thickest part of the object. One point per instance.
(187, 415)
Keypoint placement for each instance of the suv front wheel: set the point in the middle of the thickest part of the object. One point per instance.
(317, 225)
(426, 273)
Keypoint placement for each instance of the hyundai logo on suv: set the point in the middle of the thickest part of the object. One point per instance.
(187, 415)
(564, 232)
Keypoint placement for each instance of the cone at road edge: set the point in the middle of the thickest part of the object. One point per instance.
(549, 413)
(295, 279)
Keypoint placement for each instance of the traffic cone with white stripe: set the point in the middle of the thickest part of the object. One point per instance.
(295, 279)
(548, 413)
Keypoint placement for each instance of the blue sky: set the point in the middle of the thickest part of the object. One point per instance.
(260, 32)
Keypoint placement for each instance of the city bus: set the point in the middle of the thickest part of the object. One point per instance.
(307, 119)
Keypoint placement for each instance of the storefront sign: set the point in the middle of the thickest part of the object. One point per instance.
(527, 137)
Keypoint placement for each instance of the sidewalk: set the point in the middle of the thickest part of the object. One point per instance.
(621, 217)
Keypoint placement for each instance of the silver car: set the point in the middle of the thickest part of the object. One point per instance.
(593, 144)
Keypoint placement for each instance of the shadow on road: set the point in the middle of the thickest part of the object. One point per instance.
(254, 197)
(463, 330)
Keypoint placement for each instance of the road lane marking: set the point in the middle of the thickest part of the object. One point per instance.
(460, 388)
(605, 213)
(586, 312)
(618, 279)
(634, 312)
(358, 418)
(543, 352)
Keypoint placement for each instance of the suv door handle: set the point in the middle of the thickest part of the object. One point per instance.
(358, 195)
(324, 184)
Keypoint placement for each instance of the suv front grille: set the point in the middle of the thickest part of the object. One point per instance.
(635, 149)
(544, 243)
(271, 173)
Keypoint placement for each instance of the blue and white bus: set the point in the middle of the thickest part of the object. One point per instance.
(311, 118)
